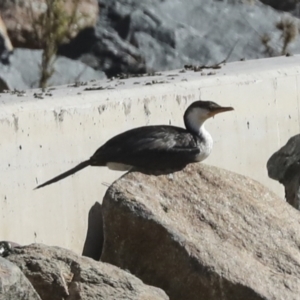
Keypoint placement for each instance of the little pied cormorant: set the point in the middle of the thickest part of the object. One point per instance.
(159, 149)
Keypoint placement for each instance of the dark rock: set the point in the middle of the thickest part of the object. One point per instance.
(287, 5)
(114, 55)
(102, 48)
(205, 234)
(6, 247)
(284, 158)
(13, 284)
(284, 166)
(58, 274)
(83, 43)
(143, 36)
(154, 58)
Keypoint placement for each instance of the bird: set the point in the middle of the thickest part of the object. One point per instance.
(156, 149)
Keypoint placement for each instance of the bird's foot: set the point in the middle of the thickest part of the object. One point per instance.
(170, 176)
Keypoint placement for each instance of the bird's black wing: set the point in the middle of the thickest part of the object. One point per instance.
(149, 147)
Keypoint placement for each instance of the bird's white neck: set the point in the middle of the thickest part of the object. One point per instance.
(194, 122)
(206, 143)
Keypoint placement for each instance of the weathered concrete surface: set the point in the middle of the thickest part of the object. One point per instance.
(59, 274)
(284, 166)
(43, 136)
(13, 283)
(205, 234)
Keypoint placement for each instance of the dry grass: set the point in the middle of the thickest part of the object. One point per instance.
(289, 29)
(289, 33)
(53, 27)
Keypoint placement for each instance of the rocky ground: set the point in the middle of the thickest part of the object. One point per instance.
(143, 36)
(206, 233)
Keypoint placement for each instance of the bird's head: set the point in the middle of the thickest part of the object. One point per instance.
(199, 111)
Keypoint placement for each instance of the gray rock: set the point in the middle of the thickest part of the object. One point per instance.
(28, 62)
(283, 159)
(284, 166)
(13, 284)
(205, 234)
(59, 274)
(140, 36)
(113, 55)
(154, 59)
(11, 79)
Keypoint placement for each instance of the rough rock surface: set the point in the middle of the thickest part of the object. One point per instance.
(205, 234)
(141, 35)
(59, 274)
(27, 63)
(13, 284)
(18, 16)
(284, 166)
(11, 79)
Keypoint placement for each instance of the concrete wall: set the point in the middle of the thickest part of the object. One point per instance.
(42, 137)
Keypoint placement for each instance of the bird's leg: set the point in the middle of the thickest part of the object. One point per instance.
(170, 176)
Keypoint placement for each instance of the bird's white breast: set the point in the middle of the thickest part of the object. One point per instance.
(118, 166)
(205, 145)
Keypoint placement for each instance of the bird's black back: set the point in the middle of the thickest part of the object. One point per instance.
(149, 148)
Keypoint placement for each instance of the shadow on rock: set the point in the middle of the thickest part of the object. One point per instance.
(94, 238)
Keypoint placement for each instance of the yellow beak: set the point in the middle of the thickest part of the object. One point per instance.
(220, 109)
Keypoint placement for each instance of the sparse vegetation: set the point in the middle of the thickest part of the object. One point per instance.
(265, 39)
(289, 32)
(53, 27)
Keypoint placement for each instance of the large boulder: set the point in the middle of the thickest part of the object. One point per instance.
(59, 274)
(203, 233)
(141, 36)
(25, 70)
(11, 79)
(13, 283)
(284, 167)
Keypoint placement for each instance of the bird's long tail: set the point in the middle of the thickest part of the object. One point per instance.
(66, 174)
